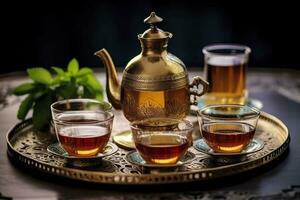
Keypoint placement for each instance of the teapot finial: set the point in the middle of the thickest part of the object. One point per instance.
(153, 19)
(154, 32)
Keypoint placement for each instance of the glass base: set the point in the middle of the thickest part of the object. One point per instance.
(224, 98)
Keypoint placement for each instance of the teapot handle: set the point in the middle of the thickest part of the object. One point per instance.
(194, 86)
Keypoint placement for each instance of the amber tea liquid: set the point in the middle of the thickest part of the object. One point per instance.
(139, 105)
(227, 137)
(80, 138)
(162, 148)
(227, 79)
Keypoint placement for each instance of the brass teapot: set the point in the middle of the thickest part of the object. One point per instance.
(155, 83)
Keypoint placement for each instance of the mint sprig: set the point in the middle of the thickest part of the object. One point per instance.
(45, 89)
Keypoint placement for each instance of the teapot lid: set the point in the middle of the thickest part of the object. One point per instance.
(153, 32)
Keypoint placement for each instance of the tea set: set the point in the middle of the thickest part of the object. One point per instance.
(155, 95)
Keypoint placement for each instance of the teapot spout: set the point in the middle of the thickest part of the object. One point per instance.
(112, 83)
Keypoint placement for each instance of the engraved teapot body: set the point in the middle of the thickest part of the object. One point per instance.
(155, 83)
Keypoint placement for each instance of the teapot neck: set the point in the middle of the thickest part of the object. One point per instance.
(154, 46)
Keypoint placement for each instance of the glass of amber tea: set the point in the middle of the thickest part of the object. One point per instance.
(162, 140)
(83, 126)
(225, 70)
(228, 128)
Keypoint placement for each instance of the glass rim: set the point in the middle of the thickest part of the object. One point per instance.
(109, 118)
(189, 124)
(254, 111)
(52, 106)
(219, 46)
(107, 110)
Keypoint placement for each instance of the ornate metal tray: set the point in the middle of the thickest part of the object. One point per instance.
(29, 148)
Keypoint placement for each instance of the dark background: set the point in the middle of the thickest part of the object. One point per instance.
(48, 33)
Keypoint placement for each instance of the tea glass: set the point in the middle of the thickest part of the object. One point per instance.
(228, 128)
(162, 140)
(83, 126)
(225, 70)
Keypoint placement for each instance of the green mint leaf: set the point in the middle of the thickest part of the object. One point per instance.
(38, 94)
(40, 75)
(73, 66)
(84, 71)
(64, 79)
(41, 111)
(87, 93)
(56, 80)
(25, 107)
(92, 82)
(67, 91)
(99, 96)
(59, 71)
(25, 88)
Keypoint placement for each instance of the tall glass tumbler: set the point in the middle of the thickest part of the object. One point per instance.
(225, 70)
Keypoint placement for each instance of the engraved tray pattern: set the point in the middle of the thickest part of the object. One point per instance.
(30, 148)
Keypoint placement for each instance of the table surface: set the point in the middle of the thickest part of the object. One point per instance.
(279, 90)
